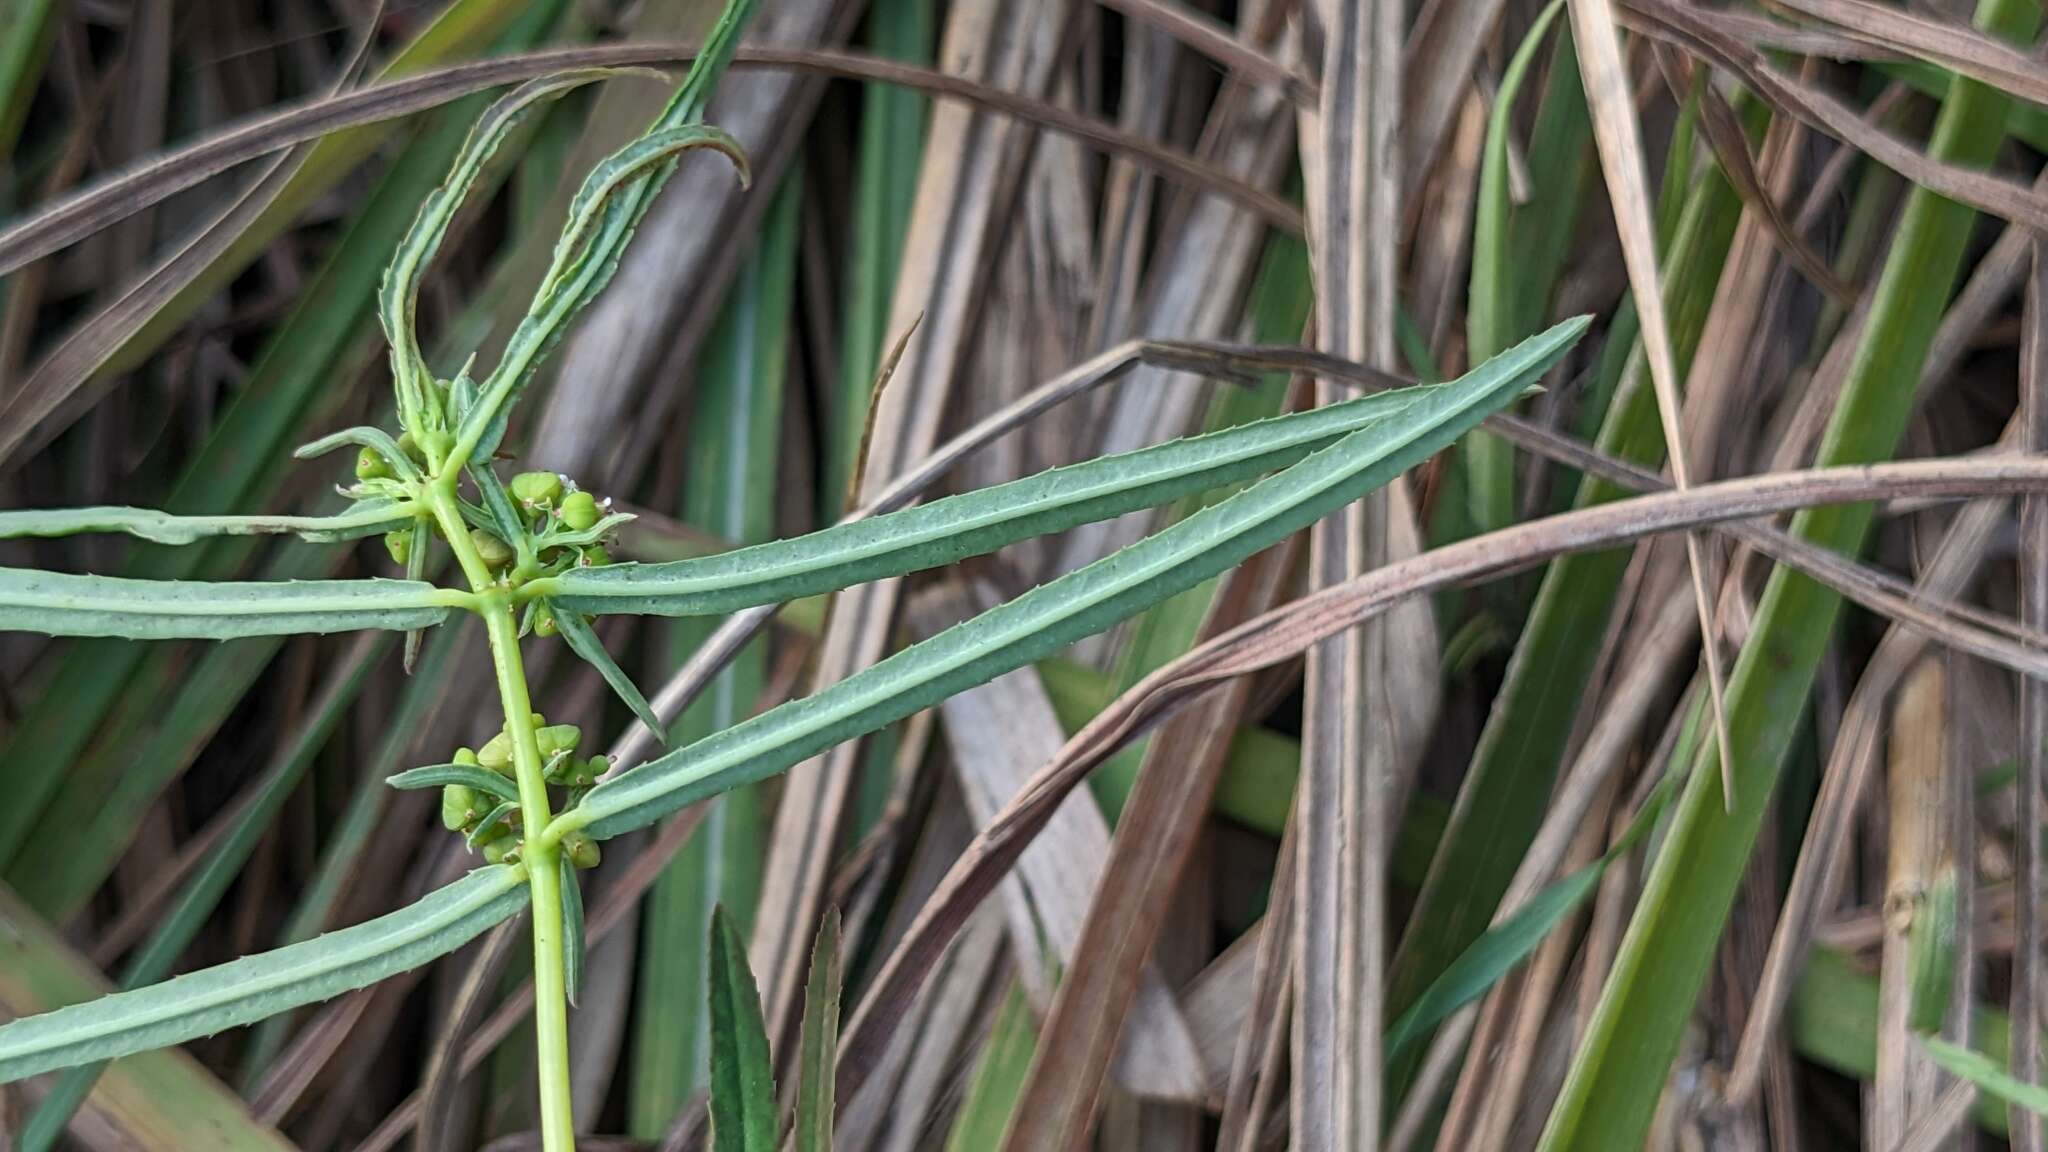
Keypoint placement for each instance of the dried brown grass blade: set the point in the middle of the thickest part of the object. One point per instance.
(1612, 105)
(1287, 632)
(88, 210)
(1709, 37)
(2027, 982)
(1154, 837)
(972, 165)
(1955, 47)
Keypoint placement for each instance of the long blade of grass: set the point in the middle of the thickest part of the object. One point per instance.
(1619, 1070)
(246, 990)
(730, 491)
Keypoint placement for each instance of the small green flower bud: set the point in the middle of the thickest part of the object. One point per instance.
(399, 545)
(458, 807)
(466, 756)
(557, 738)
(371, 465)
(494, 552)
(536, 489)
(543, 621)
(579, 510)
(581, 850)
(593, 768)
(503, 850)
(594, 557)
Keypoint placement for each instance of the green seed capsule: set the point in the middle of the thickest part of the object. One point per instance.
(581, 850)
(579, 510)
(458, 807)
(556, 738)
(494, 552)
(536, 489)
(504, 850)
(371, 465)
(466, 756)
(594, 557)
(543, 621)
(399, 545)
(496, 754)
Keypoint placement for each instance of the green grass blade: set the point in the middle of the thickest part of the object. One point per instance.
(998, 1078)
(818, 1048)
(202, 894)
(1078, 604)
(1493, 303)
(742, 1082)
(951, 529)
(367, 518)
(242, 991)
(1618, 1073)
(891, 151)
(729, 491)
(1987, 1074)
(61, 604)
(1501, 801)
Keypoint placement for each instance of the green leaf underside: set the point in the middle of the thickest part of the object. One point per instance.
(1083, 602)
(61, 604)
(743, 1116)
(439, 775)
(246, 990)
(366, 519)
(944, 531)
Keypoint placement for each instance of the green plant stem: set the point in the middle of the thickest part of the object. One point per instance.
(539, 852)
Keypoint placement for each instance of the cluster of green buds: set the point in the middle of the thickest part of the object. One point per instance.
(493, 826)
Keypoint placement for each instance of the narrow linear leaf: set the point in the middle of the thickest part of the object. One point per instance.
(398, 295)
(1078, 604)
(819, 1047)
(742, 1082)
(491, 821)
(584, 642)
(246, 990)
(60, 604)
(367, 518)
(572, 930)
(944, 531)
(1986, 1074)
(362, 436)
(468, 775)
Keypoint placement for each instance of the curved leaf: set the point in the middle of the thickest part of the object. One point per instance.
(60, 604)
(1078, 604)
(947, 530)
(246, 990)
(363, 436)
(468, 775)
(368, 518)
(398, 295)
